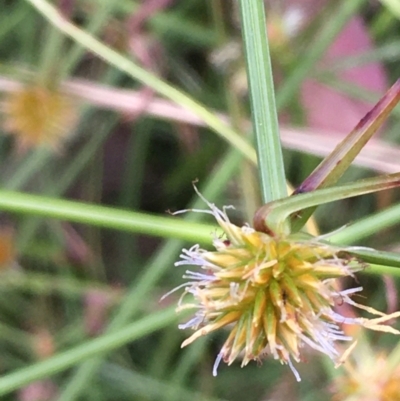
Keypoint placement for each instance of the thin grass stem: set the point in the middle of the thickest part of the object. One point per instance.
(100, 345)
(135, 71)
(102, 216)
(262, 97)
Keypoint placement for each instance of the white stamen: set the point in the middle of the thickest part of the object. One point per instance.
(350, 291)
(294, 371)
(311, 343)
(342, 319)
(338, 337)
(216, 364)
(192, 210)
(193, 323)
(199, 276)
(326, 344)
(173, 290)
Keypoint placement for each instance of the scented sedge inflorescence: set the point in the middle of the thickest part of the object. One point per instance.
(276, 295)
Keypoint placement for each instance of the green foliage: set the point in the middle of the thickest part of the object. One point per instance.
(93, 248)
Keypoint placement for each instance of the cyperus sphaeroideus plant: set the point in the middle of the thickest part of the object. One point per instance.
(276, 288)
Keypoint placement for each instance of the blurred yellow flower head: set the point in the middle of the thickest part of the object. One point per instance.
(369, 377)
(38, 116)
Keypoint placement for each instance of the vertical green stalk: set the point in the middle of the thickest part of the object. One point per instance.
(262, 97)
(50, 57)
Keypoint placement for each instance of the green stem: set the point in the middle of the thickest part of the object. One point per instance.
(367, 226)
(29, 166)
(271, 217)
(96, 22)
(103, 216)
(389, 259)
(332, 168)
(135, 71)
(100, 345)
(138, 386)
(262, 97)
(381, 269)
(48, 284)
(173, 227)
(50, 57)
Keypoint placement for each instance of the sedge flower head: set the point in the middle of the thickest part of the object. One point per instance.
(368, 377)
(38, 116)
(275, 295)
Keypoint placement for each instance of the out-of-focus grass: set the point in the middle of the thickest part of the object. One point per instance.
(69, 283)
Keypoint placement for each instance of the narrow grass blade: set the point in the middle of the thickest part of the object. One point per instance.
(367, 226)
(271, 217)
(103, 216)
(376, 257)
(378, 270)
(334, 166)
(138, 386)
(262, 97)
(97, 346)
(135, 71)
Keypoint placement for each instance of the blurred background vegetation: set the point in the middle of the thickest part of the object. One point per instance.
(74, 127)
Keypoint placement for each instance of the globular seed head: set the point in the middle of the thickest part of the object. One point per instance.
(274, 295)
